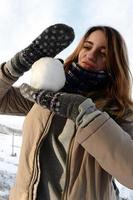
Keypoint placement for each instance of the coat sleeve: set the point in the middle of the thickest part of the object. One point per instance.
(111, 146)
(11, 100)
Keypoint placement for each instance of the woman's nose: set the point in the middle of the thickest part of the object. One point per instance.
(91, 55)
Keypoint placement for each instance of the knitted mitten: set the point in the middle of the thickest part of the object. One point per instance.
(48, 44)
(63, 104)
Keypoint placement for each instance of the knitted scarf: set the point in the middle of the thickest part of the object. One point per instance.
(79, 80)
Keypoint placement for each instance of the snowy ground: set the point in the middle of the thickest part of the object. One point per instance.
(9, 161)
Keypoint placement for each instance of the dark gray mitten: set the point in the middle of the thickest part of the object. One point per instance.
(64, 104)
(48, 44)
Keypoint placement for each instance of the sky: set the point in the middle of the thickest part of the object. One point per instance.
(22, 21)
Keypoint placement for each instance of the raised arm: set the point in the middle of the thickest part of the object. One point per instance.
(11, 100)
(49, 43)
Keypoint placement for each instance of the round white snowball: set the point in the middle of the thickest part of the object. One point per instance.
(48, 73)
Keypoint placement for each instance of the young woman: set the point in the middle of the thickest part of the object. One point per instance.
(75, 141)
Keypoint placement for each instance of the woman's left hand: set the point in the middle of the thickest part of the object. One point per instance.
(65, 104)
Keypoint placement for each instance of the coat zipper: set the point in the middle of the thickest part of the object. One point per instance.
(64, 195)
(36, 168)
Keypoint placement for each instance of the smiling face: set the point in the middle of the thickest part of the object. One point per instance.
(93, 53)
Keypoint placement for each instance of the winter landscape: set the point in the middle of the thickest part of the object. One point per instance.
(10, 143)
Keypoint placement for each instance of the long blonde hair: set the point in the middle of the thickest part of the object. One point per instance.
(118, 92)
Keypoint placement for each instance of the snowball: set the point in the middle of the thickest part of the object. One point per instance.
(48, 73)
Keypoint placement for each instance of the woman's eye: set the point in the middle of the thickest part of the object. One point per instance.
(87, 47)
(103, 54)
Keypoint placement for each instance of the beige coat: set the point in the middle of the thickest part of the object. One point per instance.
(99, 151)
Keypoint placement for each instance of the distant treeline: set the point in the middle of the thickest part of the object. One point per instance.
(8, 130)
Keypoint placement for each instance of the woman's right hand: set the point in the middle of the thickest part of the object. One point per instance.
(49, 43)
